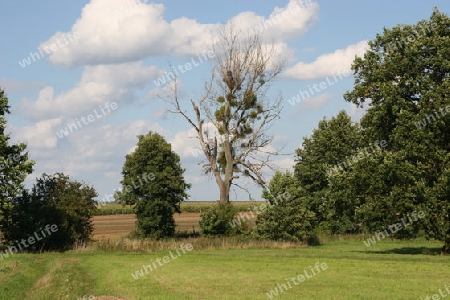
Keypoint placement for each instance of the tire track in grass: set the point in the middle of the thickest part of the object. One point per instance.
(65, 279)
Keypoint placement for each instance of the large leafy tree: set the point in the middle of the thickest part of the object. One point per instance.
(405, 78)
(54, 200)
(14, 165)
(232, 117)
(364, 198)
(153, 183)
(328, 147)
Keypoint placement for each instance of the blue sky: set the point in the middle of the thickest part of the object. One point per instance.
(116, 57)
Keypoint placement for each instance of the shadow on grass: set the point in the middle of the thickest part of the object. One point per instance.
(410, 251)
(186, 234)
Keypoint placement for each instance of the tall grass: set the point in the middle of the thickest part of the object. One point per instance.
(199, 243)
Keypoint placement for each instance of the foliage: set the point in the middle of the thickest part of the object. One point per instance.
(53, 200)
(286, 218)
(153, 184)
(14, 165)
(287, 223)
(406, 75)
(155, 219)
(217, 220)
(234, 114)
(438, 208)
(330, 144)
(374, 193)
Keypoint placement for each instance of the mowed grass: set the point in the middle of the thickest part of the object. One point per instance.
(225, 269)
(388, 270)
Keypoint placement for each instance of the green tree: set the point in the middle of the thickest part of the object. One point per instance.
(405, 75)
(363, 198)
(328, 148)
(438, 208)
(286, 218)
(153, 183)
(233, 116)
(53, 200)
(14, 166)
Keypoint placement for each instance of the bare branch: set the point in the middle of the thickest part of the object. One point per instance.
(235, 103)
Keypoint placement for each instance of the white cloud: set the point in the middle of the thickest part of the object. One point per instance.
(186, 144)
(327, 64)
(115, 31)
(284, 22)
(96, 155)
(39, 135)
(284, 164)
(312, 103)
(98, 85)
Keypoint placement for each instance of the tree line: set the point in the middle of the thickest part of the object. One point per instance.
(348, 178)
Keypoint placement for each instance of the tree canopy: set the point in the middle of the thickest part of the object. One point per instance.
(232, 117)
(153, 183)
(404, 77)
(14, 164)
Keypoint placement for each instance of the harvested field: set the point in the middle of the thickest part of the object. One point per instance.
(116, 226)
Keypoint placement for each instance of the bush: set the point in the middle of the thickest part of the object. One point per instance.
(155, 219)
(288, 218)
(53, 201)
(287, 223)
(217, 220)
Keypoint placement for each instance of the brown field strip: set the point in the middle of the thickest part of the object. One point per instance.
(117, 226)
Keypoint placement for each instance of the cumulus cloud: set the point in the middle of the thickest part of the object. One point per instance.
(90, 154)
(40, 135)
(327, 64)
(312, 103)
(187, 145)
(115, 31)
(284, 22)
(98, 85)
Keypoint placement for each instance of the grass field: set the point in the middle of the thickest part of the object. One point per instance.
(388, 270)
(224, 268)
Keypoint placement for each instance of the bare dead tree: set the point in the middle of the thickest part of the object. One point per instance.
(233, 115)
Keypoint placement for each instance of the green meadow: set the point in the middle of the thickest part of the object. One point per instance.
(387, 270)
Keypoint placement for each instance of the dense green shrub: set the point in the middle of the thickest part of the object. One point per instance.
(287, 218)
(155, 219)
(287, 223)
(54, 201)
(217, 220)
